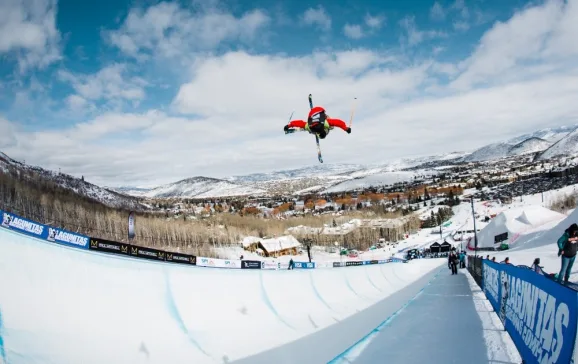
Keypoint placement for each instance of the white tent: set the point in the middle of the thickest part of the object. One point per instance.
(513, 223)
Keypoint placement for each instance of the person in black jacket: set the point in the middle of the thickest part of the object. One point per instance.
(453, 262)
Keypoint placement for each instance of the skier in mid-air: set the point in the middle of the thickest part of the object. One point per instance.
(318, 123)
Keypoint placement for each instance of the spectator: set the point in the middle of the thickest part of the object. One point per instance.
(488, 257)
(506, 261)
(537, 268)
(494, 259)
(567, 249)
(453, 262)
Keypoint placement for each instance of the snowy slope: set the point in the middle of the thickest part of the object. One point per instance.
(489, 152)
(528, 146)
(551, 135)
(202, 187)
(564, 147)
(379, 179)
(77, 185)
(152, 312)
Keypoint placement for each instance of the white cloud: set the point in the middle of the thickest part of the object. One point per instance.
(318, 17)
(228, 118)
(541, 33)
(168, 30)
(109, 83)
(353, 31)
(413, 35)
(28, 32)
(437, 12)
(375, 22)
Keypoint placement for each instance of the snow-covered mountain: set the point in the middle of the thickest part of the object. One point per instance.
(203, 187)
(545, 143)
(551, 135)
(489, 152)
(500, 150)
(77, 185)
(567, 146)
(528, 146)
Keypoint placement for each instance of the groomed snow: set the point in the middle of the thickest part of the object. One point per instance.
(65, 305)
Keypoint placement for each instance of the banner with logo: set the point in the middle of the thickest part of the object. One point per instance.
(67, 238)
(181, 258)
(338, 264)
(147, 253)
(539, 314)
(218, 263)
(366, 262)
(304, 265)
(250, 264)
(108, 246)
(271, 264)
(17, 223)
(131, 223)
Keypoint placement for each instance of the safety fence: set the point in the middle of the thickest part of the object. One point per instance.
(60, 236)
(540, 314)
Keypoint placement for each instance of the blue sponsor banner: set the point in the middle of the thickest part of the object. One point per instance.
(64, 237)
(28, 227)
(304, 265)
(21, 225)
(539, 314)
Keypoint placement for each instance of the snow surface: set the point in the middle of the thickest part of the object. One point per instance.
(516, 222)
(64, 305)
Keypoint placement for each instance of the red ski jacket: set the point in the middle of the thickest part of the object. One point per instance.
(332, 122)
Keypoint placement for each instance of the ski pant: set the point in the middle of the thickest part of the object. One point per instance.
(454, 268)
(566, 268)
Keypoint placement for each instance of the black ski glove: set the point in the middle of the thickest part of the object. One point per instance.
(348, 130)
(286, 128)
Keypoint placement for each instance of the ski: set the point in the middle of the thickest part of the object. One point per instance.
(316, 137)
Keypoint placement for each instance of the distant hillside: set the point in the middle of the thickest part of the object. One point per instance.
(202, 187)
(74, 185)
(530, 145)
(566, 146)
(489, 152)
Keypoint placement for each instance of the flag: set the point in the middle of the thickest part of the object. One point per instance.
(131, 233)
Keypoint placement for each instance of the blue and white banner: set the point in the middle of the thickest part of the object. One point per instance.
(28, 227)
(539, 314)
(13, 222)
(67, 238)
(304, 265)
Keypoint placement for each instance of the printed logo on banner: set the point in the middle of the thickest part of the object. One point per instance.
(269, 265)
(66, 237)
(250, 264)
(353, 263)
(491, 284)
(539, 314)
(18, 223)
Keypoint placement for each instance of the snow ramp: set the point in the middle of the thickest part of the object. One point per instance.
(517, 222)
(65, 305)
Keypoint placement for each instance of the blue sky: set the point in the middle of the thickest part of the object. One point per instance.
(148, 92)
